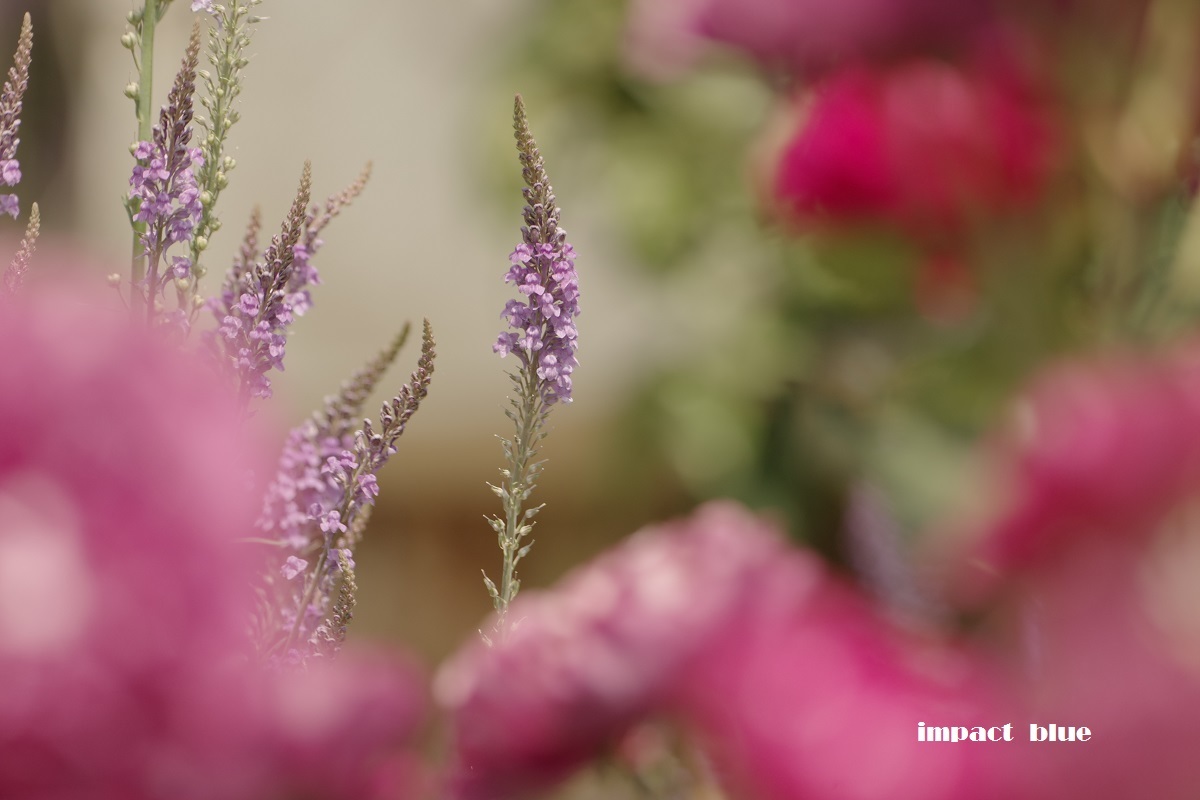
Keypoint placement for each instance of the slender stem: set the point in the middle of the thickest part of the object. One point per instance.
(528, 424)
(150, 14)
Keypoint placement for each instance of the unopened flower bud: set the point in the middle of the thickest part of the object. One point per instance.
(197, 301)
(129, 40)
(114, 279)
(132, 90)
(206, 198)
(222, 181)
(230, 163)
(201, 243)
(133, 17)
(182, 284)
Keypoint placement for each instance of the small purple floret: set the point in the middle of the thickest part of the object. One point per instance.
(544, 333)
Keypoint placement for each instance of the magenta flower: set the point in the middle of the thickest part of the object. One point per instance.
(923, 146)
(820, 695)
(125, 591)
(117, 523)
(803, 36)
(1095, 450)
(1088, 562)
(1109, 636)
(336, 728)
(586, 660)
(10, 117)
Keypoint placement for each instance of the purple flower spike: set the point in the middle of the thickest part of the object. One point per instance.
(317, 509)
(163, 194)
(544, 339)
(543, 270)
(262, 296)
(10, 117)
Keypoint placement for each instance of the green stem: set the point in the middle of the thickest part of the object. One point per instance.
(150, 14)
(520, 480)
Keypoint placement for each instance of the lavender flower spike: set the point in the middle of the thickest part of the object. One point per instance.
(316, 510)
(163, 193)
(544, 340)
(10, 117)
(301, 484)
(258, 304)
(258, 301)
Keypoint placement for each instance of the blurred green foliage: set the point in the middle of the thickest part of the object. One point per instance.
(811, 369)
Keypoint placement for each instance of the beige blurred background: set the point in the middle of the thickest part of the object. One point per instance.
(412, 87)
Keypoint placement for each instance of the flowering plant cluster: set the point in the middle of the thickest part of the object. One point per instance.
(176, 597)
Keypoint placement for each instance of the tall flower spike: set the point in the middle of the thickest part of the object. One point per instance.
(544, 340)
(163, 194)
(227, 42)
(296, 521)
(304, 274)
(20, 263)
(232, 309)
(10, 117)
(353, 474)
(257, 306)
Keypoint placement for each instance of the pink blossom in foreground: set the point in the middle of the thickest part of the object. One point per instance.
(1088, 566)
(1107, 449)
(124, 593)
(923, 146)
(335, 728)
(788, 678)
(1110, 641)
(594, 655)
(822, 701)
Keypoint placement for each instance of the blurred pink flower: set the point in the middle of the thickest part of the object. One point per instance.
(1102, 649)
(801, 36)
(823, 700)
(124, 595)
(1088, 568)
(335, 729)
(591, 657)
(789, 678)
(923, 146)
(1101, 450)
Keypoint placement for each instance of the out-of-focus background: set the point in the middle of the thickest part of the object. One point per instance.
(651, 182)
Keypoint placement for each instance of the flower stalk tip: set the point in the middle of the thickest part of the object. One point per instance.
(164, 198)
(15, 273)
(11, 101)
(316, 509)
(543, 338)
